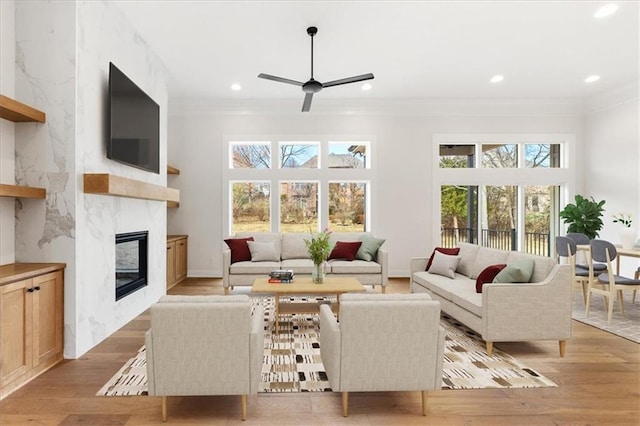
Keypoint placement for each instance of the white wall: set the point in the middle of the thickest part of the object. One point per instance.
(403, 213)
(63, 69)
(612, 162)
(7, 130)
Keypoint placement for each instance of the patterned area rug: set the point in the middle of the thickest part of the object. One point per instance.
(292, 360)
(627, 326)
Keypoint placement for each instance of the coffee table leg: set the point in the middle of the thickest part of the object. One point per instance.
(275, 319)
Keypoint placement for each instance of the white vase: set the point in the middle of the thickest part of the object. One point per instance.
(627, 238)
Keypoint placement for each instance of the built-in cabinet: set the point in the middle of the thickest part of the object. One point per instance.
(31, 321)
(176, 259)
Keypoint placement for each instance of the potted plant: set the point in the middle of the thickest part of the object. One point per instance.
(627, 234)
(585, 216)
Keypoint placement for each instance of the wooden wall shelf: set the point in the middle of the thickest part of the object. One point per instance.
(172, 170)
(15, 111)
(173, 204)
(106, 184)
(22, 191)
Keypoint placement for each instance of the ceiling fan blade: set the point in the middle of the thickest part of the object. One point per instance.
(280, 79)
(348, 80)
(306, 105)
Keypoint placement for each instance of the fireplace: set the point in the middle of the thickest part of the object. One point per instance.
(131, 262)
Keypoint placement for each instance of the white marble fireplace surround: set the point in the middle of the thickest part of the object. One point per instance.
(63, 50)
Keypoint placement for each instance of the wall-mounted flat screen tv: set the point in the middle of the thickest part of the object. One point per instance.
(134, 124)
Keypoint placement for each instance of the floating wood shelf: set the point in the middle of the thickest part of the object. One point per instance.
(172, 170)
(106, 184)
(172, 204)
(22, 191)
(12, 110)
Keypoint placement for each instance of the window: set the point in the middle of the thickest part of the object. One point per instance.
(250, 155)
(250, 206)
(298, 185)
(511, 199)
(347, 206)
(298, 206)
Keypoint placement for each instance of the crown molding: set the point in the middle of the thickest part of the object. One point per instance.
(386, 107)
(620, 95)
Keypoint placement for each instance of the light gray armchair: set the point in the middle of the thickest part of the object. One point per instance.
(204, 345)
(403, 352)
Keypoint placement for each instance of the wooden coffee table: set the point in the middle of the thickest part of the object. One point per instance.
(303, 286)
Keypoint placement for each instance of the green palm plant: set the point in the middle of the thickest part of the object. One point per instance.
(585, 216)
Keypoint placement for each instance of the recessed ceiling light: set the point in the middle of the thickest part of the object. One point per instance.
(606, 10)
(592, 78)
(366, 86)
(236, 87)
(497, 78)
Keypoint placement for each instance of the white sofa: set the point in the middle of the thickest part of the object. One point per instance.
(505, 312)
(293, 255)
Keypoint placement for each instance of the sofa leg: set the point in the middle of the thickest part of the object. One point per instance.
(563, 348)
(490, 348)
(164, 408)
(243, 402)
(226, 291)
(424, 403)
(345, 404)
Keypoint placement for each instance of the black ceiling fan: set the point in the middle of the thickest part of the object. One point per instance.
(313, 86)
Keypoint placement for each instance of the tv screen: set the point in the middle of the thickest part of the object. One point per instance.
(134, 124)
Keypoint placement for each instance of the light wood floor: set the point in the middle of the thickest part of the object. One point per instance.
(598, 384)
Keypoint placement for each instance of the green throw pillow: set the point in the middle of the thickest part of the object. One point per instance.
(369, 247)
(516, 272)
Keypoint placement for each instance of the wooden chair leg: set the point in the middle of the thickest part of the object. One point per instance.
(243, 402)
(164, 408)
(345, 404)
(424, 403)
(610, 309)
(621, 302)
(490, 348)
(563, 348)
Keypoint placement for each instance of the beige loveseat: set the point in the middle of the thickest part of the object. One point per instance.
(291, 253)
(505, 312)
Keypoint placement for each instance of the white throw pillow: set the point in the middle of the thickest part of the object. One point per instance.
(263, 252)
(443, 264)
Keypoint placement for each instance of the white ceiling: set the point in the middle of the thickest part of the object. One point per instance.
(416, 50)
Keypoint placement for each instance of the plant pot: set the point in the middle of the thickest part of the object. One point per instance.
(317, 273)
(627, 238)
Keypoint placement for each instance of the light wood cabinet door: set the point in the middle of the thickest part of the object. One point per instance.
(16, 318)
(47, 316)
(181, 259)
(171, 263)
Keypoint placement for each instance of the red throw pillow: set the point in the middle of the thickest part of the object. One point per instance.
(239, 249)
(450, 251)
(487, 275)
(345, 250)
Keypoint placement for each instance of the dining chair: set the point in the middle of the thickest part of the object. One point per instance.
(583, 240)
(609, 284)
(566, 249)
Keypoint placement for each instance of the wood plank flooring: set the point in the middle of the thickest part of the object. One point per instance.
(599, 384)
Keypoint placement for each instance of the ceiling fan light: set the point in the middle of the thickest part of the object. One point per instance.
(366, 86)
(497, 78)
(592, 79)
(235, 87)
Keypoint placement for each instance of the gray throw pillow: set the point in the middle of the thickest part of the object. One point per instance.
(519, 271)
(369, 247)
(263, 252)
(444, 264)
